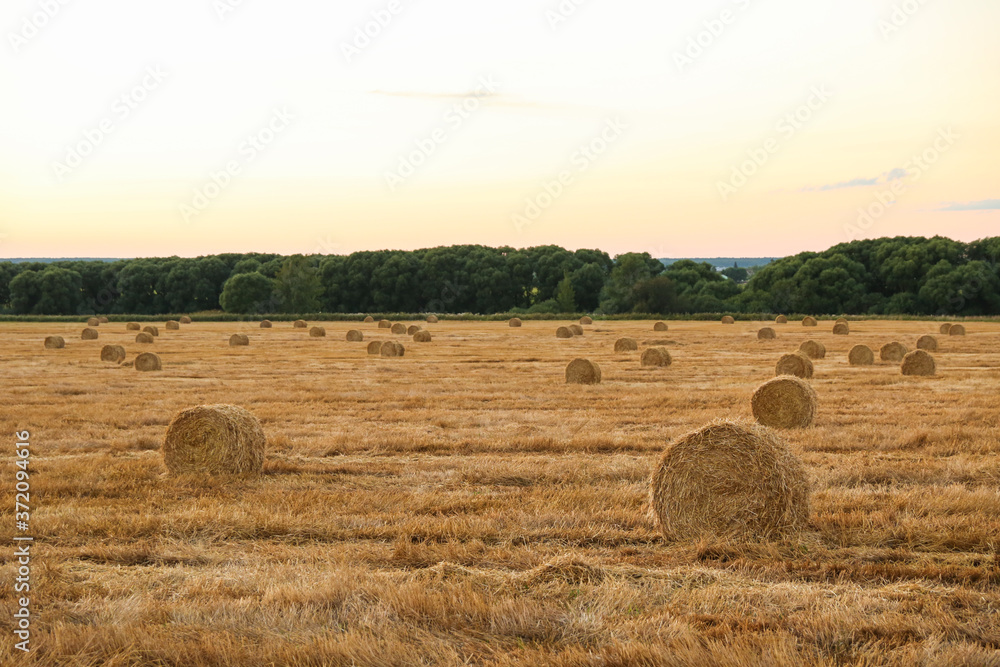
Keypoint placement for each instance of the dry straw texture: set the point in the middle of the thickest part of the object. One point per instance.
(841, 329)
(300, 324)
(576, 329)
(115, 353)
(861, 355)
(781, 319)
(564, 332)
(918, 362)
(813, 349)
(185, 320)
(54, 343)
(928, 343)
(957, 330)
(514, 322)
(412, 329)
(384, 324)
(151, 330)
(89, 334)
(432, 319)
(355, 336)
(729, 480)
(841, 320)
(93, 322)
(656, 356)
(214, 440)
(392, 349)
(809, 322)
(660, 326)
(398, 328)
(375, 347)
(144, 338)
(369, 319)
(796, 364)
(238, 339)
(147, 361)
(945, 328)
(422, 337)
(728, 319)
(893, 352)
(586, 320)
(583, 371)
(626, 345)
(266, 324)
(173, 325)
(317, 332)
(132, 326)
(767, 333)
(784, 402)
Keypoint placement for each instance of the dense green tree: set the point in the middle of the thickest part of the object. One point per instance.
(248, 293)
(61, 292)
(297, 287)
(565, 296)
(25, 291)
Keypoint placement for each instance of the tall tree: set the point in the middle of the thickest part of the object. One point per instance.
(297, 287)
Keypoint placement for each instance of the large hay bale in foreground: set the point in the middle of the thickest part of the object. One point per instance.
(369, 319)
(412, 329)
(781, 319)
(809, 322)
(384, 324)
(729, 480)
(928, 343)
(133, 326)
(583, 371)
(956, 330)
(115, 353)
(576, 329)
(660, 326)
(317, 332)
(656, 356)
(841, 329)
(147, 361)
(514, 322)
(54, 343)
(893, 352)
(784, 402)
(796, 364)
(422, 337)
(945, 328)
(564, 332)
(151, 330)
(432, 319)
(861, 355)
(398, 329)
(185, 320)
(375, 347)
(586, 320)
(355, 336)
(266, 324)
(300, 324)
(626, 345)
(144, 338)
(89, 334)
(239, 340)
(813, 349)
(214, 440)
(173, 325)
(392, 349)
(918, 362)
(93, 322)
(767, 333)
(729, 319)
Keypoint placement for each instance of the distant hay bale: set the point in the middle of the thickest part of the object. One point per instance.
(173, 325)
(384, 324)
(861, 355)
(660, 326)
(144, 338)
(392, 349)
(918, 362)
(151, 330)
(93, 322)
(956, 330)
(583, 371)
(432, 319)
(728, 319)
(626, 345)
(729, 480)
(586, 320)
(514, 322)
(813, 349)
(317, 332)
(893, 352)
(576, 329)
(132, 326)
(214, 440)
(54, 343)
(115, 353)
(266, 324)
(375, 347)
(398, 328)
(103, 320)
(767, 333)
(412, 329)
(656, 356)
(89, 334)
(422, 337)
(564, 332)
(945, 328)
(300, 324)
(841, 329)
(147, 361)
(355, 336)
(369, 319)
(238, 340)
(796, 364)
(784, 402)
(781, 319)
(809, 322)
(185, 320)
(928, 343)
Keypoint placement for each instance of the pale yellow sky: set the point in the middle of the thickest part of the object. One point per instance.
(201, 126)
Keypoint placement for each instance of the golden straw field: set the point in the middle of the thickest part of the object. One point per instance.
(464, 505)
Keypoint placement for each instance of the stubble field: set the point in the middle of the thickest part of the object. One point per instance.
(463, 505)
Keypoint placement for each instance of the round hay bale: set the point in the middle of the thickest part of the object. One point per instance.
(115, 353)
(767, 333)
(893, 352)
(656, 356)
(89, 334)
(813, 349)
(576, 329)
(355, 336)
(375, 347)
(660, 326)
(384, 324)
(214, 440)
(147, 361)
(784, 402)
(144, 338)
(185, 320)
(369, 319)
(317, 332)
(432, 319)
(861, 355)
(809, 322)
(151, 330)
(398, 328)
(731, 480)
(564, 332)
(945, 328)
(918, 362)
(626, 345)
(173, 325)
(586, 320)
(54, 343)
(392, 349)
(103, 320)
(928, 343)
(728, 319)
(412, 329)
(796, 364)
(583, 371)
(841, 329)
(841, 320)
(238, 340)
(132, 326)
(956, 330)
(422, 337)
(93, 322)
(514, 322)
(266, 324)
(781, 319)
(300, 324)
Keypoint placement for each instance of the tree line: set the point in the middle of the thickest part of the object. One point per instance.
(889, 276)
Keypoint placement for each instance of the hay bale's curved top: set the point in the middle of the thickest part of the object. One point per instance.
(767, 333)
(266, 324)
(173, 325)
(151, 330)
(185, 320)
(809, 322)
(355, 336)
(93, 322)
(945, 328)
(576, 329)
(781, 319)
(115, 353)
(89, 334)
(392, 349)
(656, 356)
(564, 332)
(626, 345)
(369, 319)
(54, 343)
(893, 352)
(583, 371)
(422, 337)
(214, 440)
(398, 328)
(132, 326)
(841, 320)
(147, 361)
(729, 319)
(238, 339)
(813, 349)
(660, 326)
(432, 319)
(103, 320)
(586, 320)
(841, 329)
(514, 322)
(795, 364)
(784, 402)
(412, 329)
(375, 347)
(300, 324)
(957, 330)
(929, 343)
(730, 480)
(317, 332)
(384, 324)
(144, 338)
(861, 355)
(918, 362)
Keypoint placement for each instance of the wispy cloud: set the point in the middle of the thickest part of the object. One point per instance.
(887, 177)
(984, 205)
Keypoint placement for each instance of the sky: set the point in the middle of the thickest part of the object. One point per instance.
(720, 128)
